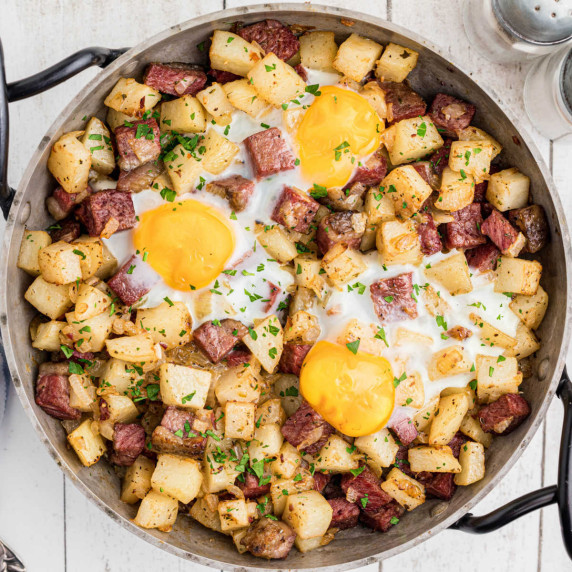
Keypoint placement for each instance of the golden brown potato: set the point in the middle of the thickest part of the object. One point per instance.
(452, 272)
(396, 63)
(32, 242)
(69, 162)
(318, 50)
(229, 52)
(356, 57)
(132, 98)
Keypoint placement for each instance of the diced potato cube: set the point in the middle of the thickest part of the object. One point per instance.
(472, 158)
(69, 162)
(472, 133)
(91, 334)
(508, 190)
(119, 375)
(343, 264)
(518, 276)
(472, 460)
(379, 206)
(90, 252)
(184, 115)
(398, 242)
(492, 336)
(526, 343)
(243, 96)
(132, 98)
(371, 340)
(168, 324)
(238, 384)
(48, 336)
(467, 390)
(121, 408)
(312, 543)
(496, 376)
(308, 276)
(239, 420)
(157, 511)
(282, 490)
(275, 81)
(265, 341)
(287, 463)
(218, 477)
(472, 429)
(380, 447)
(452, 272)
(214, 100)
(229, 52)
(318, 50)
(433, 459)
(133, 349)
(423, 419)
(82, 393)
(87, 444)
(356, 57)
(59, 263)
(266, 442)
(448, 418)
(219, 153)
(204, 512)
(183, 169)
(408, 492)
(32, 242)
(434, 303)
(410, 391)
(97, 140)
(396, 63)
(412, 139)
(233, 514)
(137, 481)
(407, 189)
(451, 360)
(457, 190)
(90, 302)
(176, 476)
(336, 456)
(376, 98)
(49, 299)
(117, 119)
(302, 326)
(277, 244)
(308, 513)
(108, 265)
(185, 387)
(404, 336)
(531, 309)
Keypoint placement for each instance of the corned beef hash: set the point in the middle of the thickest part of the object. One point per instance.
(285, 296)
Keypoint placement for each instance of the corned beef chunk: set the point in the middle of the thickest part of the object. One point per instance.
(67, 230)
(386, 517)
(364, 485)
(440, 159)
(320, 481)
(295, 210)
(140, 178)
(61, 204)
(429, 235)
(269, 153)
(465, 230)
(107, 212)
(250, 486)
(392, 298)
(138, 144)
(217, 340)
(440, 485)
(345, 514)
(501, 232)
(133, 280)
(451, 114)
(533, 224)
(484, 257)
(306, 429)
(405, 430)
(292, 357)
(221, 76)
(271, 539)
(128, 443)
(402, 102)
(236, 189)
(272, 36)
(344, 227)
(53, 396)
(372, 172)
(175, 78)
(505, 414)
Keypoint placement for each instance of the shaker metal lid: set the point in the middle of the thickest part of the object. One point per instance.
(536, 21)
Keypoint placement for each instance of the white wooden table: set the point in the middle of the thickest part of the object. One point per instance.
(42, 516)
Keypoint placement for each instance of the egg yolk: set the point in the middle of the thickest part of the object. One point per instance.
(188, 243)
(352, 392)
(337, 129)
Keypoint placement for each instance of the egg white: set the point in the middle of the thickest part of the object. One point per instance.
(233, 295)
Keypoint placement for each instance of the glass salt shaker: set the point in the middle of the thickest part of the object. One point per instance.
(508, 31)
(548, 94)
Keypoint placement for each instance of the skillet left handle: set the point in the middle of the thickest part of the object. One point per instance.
(560, 494)
(37, 83)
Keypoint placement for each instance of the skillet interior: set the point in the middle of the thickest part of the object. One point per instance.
(433, 73)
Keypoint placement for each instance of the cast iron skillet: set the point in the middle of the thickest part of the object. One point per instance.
(434, 73)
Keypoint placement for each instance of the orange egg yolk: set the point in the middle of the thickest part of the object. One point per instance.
(339, 127)
(187, 243)
(352, 392)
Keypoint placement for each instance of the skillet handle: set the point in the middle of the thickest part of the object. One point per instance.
(37, 83)
(560, 494)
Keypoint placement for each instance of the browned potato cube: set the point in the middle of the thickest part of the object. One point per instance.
(32, 242)
(396, 63)
(407, 189)
(356, 57)
(69, 162)
(452, 272)
(457, 190)
(518, 276)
